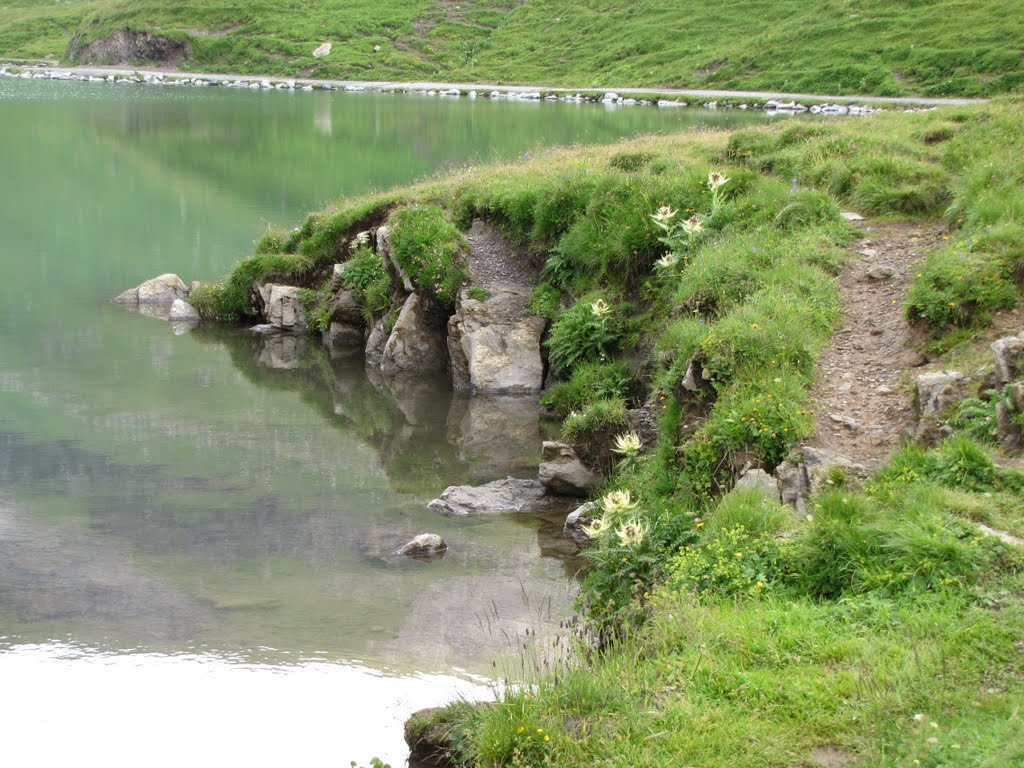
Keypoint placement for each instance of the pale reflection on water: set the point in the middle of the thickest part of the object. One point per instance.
(64, 705)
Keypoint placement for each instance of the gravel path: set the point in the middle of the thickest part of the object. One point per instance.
(861, 408)
(494, 261)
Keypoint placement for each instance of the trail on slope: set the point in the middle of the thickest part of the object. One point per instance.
(861, 410)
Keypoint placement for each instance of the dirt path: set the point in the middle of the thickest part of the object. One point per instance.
(494, 261)
(861, 409)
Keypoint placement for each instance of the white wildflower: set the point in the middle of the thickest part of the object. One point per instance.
(628, 444)
(600, 308)
(716, 179)
(631, 534)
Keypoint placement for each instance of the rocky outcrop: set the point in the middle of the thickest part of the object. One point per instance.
(563, 472)
(796, 482)
(1008, 354)
(426, 545)
(758, 480)
(428, 735)
(282, 308)
(158, 292)
(346, 324)
(128, 46)
(499, 496)
(935, 393)
(387, 255)
(417, 341)
(494, 343)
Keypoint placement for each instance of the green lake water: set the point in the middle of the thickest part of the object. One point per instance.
(196, 531)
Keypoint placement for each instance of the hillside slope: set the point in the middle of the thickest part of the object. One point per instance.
(880, 47)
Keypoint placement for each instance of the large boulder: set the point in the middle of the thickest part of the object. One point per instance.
(417, 342)
(563, 472)
(342, 336)
(494, 343)
(282, 307)
(1008, 354)
(159, 291)
(499, 496)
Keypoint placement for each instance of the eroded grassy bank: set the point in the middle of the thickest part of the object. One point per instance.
(882, 627)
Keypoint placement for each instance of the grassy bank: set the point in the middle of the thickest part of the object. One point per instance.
(882, 629)
(963, 48)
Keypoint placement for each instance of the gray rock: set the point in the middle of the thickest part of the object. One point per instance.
(416, 343)
(182, 311)
(322, 50)
(424, 545)
(344, 309)
(759, 480)
(792, 485)
(342, 336)
(159, 291)
(937, 391)
(1017, 396)
(1008, 431)
(563, 472)
(881, 272)
(851, 216)
(819, 463)
(375, 341)
(499, 496)
(263, 328)
(282, 308)
(1008, 354)
(494, 344)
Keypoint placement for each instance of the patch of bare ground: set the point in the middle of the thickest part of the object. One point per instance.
(861, 406)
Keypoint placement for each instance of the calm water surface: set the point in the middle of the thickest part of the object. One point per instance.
(195, 531)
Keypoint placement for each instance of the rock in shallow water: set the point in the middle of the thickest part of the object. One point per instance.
(158, 291)
(183, 312)
(499, 496)
(424, 545)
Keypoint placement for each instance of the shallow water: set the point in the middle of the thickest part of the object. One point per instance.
(196, 531)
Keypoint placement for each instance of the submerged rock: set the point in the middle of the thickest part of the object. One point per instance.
(499, 496)
(424, 545)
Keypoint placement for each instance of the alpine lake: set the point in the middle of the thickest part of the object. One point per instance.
(196, 532)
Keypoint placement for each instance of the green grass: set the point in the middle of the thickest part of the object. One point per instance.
(961, 47)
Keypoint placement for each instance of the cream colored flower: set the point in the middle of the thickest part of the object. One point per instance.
(664, 214)
(716, 179)
(631, 534)
(667, 261)
(693, 226)
(616, 501)
(596, 528)
(599, 308)
(628, 444)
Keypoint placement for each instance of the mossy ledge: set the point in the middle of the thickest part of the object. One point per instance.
(685, 314)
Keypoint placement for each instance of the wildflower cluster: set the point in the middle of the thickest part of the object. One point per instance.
(682, 235)
(732, 563)
(614, 505)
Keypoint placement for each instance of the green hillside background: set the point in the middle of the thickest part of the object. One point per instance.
(879, 47)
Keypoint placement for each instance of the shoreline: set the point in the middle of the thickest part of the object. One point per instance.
(669, 97)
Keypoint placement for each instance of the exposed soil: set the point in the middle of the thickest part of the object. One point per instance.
(493, 260)
(862, 404)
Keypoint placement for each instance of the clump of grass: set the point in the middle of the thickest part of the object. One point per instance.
(586, 332)
(590, 382)
(367, 278)
(428, 246)
(957, 288)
